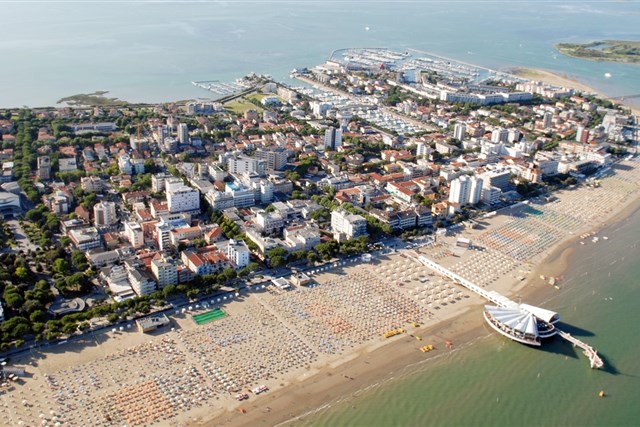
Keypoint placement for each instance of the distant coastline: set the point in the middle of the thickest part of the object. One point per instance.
(626, 51)
(564, 80)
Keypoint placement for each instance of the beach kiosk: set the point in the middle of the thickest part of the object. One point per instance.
(153, 322)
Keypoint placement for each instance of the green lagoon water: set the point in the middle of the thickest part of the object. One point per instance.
(496, 382)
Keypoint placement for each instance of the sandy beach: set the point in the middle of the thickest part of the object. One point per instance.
(333, 384)
(314, 345)
(562, 80)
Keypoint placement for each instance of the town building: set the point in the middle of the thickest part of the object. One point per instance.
(181, 198)
(44, 168)
(92, 183)
(207, 260)
(140, 281)
(183, 133)
(85, 238)
(275, 158)
(459, 131)
(165, 271)
(238, 253)
(134, 234)
(332, 138)
(243, 164)
(497, 178)
(104, 214)
(124, 164)
(346, 226)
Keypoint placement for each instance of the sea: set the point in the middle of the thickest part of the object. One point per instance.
(492, 381)
(151, 50)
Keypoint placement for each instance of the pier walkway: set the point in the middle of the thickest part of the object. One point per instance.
(504, 302)
(594, 359)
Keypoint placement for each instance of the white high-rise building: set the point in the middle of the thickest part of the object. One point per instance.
(165, 271)
(244, 164)
(266, 191)
(514, 135)
(274, 158)
(133, 233)
(348, 225)
(332, 138)
(157, 182)
(459, 131)
(238, 253)
(459, 190)
(183, 133)
(499, 135)
(124, 163)
(422, 150)
(104, 214)
(582, 135)
(475, 191)
(180, 197)
(320, 109)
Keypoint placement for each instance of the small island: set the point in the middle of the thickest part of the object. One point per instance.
(605, 50)
(95, 98)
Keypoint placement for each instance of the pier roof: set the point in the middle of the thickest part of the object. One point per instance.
(515, 319)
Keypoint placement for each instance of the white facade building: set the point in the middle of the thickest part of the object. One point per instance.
(124, 164)
(345, 224)
(459, 131)
(183, 133)
(459, 190)
(165, 271)
(475, 190)
(238, 253)
(133, 233)
(244, 164)
(104, 214)
(499, 135)
(157, 182)
(332, 138)
(422, 150)
(181, 198)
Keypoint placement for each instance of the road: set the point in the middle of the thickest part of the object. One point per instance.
(24, 244)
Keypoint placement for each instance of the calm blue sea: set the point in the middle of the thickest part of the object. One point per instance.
(151, 50)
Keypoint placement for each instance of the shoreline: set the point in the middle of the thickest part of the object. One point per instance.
(335, 384)
(299, 392)
(564, 80)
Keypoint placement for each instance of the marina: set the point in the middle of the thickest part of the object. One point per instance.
(224, 89)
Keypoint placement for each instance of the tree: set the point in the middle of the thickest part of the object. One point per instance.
(229, 274)
(277, 261)
(12, 297)
(16, 327)
(79, 260)
(36, 316)
(61, 266)
(22, 273)
(143, 307)
(113, 318)
(312, 257)
(169, 290)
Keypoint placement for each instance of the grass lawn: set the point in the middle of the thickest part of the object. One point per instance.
(239, 106)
